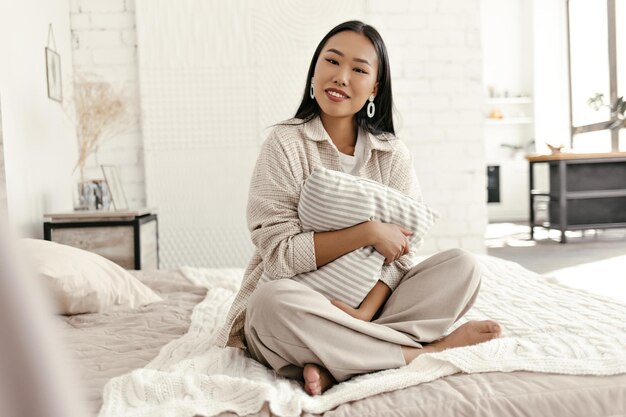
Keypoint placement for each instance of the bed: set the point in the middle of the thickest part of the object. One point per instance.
(158, 360)
(106, 345)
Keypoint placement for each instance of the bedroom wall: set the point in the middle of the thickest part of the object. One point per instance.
(507, 41)
(436, 57)
(3, 183)
(552, 123)
(436, 65)
(38, 141)
(104, 44)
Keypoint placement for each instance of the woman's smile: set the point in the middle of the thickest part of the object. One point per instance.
(336, 95)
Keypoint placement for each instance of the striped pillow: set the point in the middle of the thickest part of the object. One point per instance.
(332, 200)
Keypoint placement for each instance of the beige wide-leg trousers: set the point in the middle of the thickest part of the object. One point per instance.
(289, 325)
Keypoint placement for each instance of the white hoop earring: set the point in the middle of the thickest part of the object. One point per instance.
(311, 89)
(371, 107)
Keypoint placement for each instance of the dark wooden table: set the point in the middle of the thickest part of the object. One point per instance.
(587, 191)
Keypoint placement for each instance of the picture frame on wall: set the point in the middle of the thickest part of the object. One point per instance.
(115, 187)
(53, 75)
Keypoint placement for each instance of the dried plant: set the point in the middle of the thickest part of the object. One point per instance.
(99, 113)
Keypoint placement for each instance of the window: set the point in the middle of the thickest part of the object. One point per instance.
(597, 52)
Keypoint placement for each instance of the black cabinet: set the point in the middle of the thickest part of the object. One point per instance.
(587, 191)
(493, 184)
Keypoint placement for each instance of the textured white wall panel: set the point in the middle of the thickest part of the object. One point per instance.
(213, 76)
(201, 195)
(286, 34)
(198, 108)
(194, 33)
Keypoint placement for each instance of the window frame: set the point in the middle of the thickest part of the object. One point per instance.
(612, 45)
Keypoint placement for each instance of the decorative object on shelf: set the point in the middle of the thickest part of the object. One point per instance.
(494, 93)
(92, 195)
(98, 112)
(115, 187)
(53, 69)
(618, 109)
(555, 149)
(507, 109)
(496, 114)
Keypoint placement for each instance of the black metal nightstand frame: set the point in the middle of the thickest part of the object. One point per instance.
(135, 223)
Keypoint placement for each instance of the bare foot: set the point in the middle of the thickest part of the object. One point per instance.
(316, 379)
(470, 333)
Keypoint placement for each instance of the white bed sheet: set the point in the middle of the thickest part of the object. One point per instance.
(547, 329)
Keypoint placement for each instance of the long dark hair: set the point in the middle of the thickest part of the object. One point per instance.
(383, 118)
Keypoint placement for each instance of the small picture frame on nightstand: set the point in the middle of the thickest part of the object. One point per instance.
(115, 187)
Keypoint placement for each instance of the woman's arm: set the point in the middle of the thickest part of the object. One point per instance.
(332, 245)
(370, 305)
(272, 209)
(388, 239)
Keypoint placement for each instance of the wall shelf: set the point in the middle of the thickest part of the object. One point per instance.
(509, 121)
(509, 100)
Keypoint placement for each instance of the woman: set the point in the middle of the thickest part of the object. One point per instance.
(344, 123)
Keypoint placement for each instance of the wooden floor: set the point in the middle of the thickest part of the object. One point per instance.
(592, 260)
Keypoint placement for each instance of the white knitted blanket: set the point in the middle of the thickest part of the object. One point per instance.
(546, 328)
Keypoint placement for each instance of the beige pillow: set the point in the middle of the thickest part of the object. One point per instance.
(84, 282)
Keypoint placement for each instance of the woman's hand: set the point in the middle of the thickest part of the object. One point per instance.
(390, 240)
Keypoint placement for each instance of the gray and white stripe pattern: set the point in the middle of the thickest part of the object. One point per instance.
(333, 200)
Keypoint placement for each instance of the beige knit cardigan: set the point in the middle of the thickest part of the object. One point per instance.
(287, 157)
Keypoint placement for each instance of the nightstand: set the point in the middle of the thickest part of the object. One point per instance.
(130, 238)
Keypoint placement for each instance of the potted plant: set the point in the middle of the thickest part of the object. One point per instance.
(618, 109)
(98, 112)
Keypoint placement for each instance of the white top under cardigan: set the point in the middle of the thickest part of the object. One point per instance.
(350, 164)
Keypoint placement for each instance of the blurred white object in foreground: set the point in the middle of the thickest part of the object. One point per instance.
(34, 377)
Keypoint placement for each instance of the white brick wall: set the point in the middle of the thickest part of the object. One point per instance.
(104, 43)
(435, 55)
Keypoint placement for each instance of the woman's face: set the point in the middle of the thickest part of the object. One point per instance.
(345, 74)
